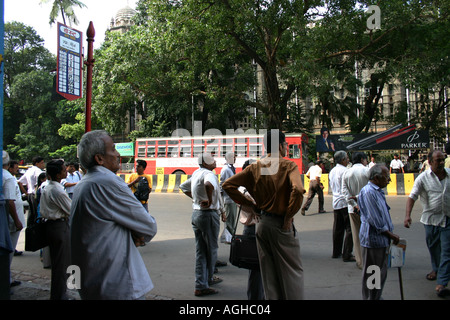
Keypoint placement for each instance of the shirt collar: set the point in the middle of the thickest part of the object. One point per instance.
(374, 186)
(435, 175)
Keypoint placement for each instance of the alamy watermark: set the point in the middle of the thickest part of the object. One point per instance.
(374, 21)
(214, 135)
(74, 279)
(374, 280)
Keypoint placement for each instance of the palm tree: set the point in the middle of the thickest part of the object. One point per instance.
(65, 7)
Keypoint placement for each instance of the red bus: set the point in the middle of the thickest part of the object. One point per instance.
(178, 155)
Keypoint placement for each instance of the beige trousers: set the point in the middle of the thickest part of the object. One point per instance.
(279, 256)
(355, 224)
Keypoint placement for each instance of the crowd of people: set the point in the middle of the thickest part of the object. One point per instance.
(93, 221)
(96, 220)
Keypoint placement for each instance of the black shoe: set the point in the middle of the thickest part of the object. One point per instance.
(18, 253)
(349, 259)
(14, 283)
(220, 263)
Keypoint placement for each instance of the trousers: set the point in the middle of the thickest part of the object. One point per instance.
(279, 257)
(342, 234)
(314, 188)
(206, 226)
(374, 257)
(438, 243)
(58, 233)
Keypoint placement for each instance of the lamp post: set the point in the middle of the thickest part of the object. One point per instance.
(90, 64)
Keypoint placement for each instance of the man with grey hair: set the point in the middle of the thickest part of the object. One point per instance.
(203, 187)
(376, 229)
(108, 223)
(342, 232)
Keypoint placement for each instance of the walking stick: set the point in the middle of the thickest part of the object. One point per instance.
(401, 282)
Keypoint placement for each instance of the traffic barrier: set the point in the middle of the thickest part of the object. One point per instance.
(401, 183)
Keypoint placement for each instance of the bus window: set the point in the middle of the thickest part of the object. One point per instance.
(225, 149)
(240, 150)
(212, 149)
(294, 151)
(185, 142)
(150, 152)
(161, 152)
(240, 140)
(198, 150)
(185, 152)
(141, 152)
(141, 149)
(172, 152)
(255, 150)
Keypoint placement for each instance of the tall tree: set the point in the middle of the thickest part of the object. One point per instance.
(31, 117)
(24, 53)
(206, 49)
(65, 8)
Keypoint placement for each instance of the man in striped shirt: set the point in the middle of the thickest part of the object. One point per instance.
(376, 229)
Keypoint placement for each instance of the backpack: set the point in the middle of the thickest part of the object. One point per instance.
(142, 190)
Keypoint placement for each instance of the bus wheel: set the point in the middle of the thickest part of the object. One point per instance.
(178, 172)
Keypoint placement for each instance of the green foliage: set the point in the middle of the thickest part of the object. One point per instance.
(31, 117)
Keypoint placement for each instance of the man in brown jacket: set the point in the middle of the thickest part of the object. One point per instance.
(275, 184)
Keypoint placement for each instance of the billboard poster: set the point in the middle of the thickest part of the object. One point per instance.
(69, 62)
(125, 149)
(398, 137)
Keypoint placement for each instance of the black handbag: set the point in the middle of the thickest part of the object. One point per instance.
(36, 235)
(243, 251)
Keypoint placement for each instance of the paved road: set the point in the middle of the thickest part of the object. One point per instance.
(170, 259)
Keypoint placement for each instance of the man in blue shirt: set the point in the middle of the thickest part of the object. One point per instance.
(73, 177)
(376, 230)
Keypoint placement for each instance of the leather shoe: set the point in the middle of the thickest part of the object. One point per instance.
(205, 292)
(349, 259)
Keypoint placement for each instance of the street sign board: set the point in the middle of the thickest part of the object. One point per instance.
(69, 80)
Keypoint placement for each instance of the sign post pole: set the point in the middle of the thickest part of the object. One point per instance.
(89, 63)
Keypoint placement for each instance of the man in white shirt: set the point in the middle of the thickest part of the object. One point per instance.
(203, 188)
(372, 162)
(73, 177)
(353, 181)
(433, 187)
(396, 165)
(315, 187)
(29, 179)
(14, 208)
(342, 232)
(55, 207)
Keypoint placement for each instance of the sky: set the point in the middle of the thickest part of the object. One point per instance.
(36, 15)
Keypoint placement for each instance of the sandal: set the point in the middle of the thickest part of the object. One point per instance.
(442, 291)
(205, 292)
(214, 280)
(432, 276)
